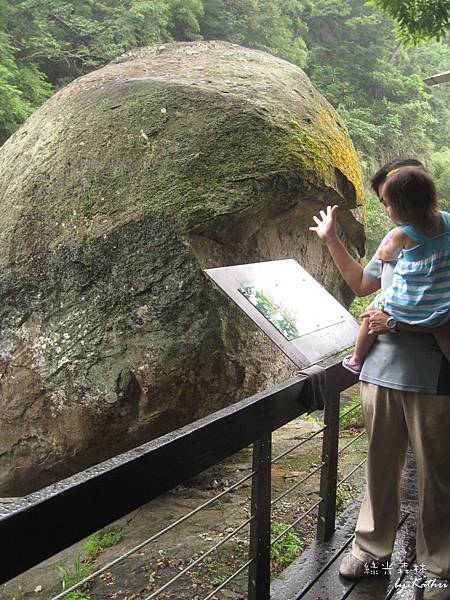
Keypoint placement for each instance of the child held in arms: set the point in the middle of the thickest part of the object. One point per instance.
(420, 291)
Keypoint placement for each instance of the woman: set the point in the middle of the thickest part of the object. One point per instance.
(405, 395)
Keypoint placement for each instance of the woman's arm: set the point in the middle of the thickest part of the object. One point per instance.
(349, 268)
(378, 319)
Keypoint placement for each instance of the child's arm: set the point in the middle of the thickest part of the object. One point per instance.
(392, 244)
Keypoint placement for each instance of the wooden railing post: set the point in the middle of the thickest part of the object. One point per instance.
(259, 569)
(328, 479)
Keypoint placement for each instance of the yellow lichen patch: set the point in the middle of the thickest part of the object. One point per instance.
(341, 151)
(322, 148)
(307, 154)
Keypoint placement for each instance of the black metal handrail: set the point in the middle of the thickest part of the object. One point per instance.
(37, 527)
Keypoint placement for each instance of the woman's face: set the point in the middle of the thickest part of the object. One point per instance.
(387, 205)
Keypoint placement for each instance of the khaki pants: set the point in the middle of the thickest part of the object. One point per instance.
(394, 418)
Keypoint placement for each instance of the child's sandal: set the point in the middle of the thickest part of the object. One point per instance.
(351, 366)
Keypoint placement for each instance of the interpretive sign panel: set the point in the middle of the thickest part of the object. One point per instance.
(291, 307)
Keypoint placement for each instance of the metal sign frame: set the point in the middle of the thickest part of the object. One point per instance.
(330, 327)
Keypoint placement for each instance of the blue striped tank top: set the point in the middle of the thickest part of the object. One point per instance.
(420, 291)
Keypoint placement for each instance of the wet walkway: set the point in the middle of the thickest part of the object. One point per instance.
(314, 575)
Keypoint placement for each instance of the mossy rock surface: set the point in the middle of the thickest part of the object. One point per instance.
(114, 196)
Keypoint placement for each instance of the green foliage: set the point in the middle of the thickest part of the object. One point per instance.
(67, 38)
(343, 496)
(88, 206)
(421, 62)
(378, 224)
(22, 86)
(78, 595)
(185, 19)
(287, 548)
(359, 305)
(274, 26)
(439, 165)
(83, 566)
(418, 20)
(82, 570)
(357, 64)
(314, 417)
(105, 538)
(353, 419)
(218, 567)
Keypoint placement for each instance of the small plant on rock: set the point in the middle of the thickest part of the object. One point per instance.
(287, 548)
(82, 570)
(105, 538)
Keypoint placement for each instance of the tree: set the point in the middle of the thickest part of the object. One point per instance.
(418, 20)
(423, 61)
(274, 26)
(22, 85)
(378, 224)
(353, 62)
(439, 165)
(184, 22)
(67, 38)
(47, 43)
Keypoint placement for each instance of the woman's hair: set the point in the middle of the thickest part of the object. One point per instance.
(411, 193)
(382, 172)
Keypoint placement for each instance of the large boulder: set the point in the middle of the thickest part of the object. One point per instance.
(113, 198)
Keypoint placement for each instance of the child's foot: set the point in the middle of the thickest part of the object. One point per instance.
(348, 364)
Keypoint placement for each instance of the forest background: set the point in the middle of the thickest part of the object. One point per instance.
(369, 66)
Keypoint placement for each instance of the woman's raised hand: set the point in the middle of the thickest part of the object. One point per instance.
(326, 224)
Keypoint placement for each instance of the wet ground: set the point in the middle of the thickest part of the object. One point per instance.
(315, 575)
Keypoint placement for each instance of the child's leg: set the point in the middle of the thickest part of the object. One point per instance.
(364, 342)
(443, 339)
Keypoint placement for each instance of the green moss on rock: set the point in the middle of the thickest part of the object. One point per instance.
(114, 195)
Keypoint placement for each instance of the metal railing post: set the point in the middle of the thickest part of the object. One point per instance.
(259, 569)
(328, 478)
